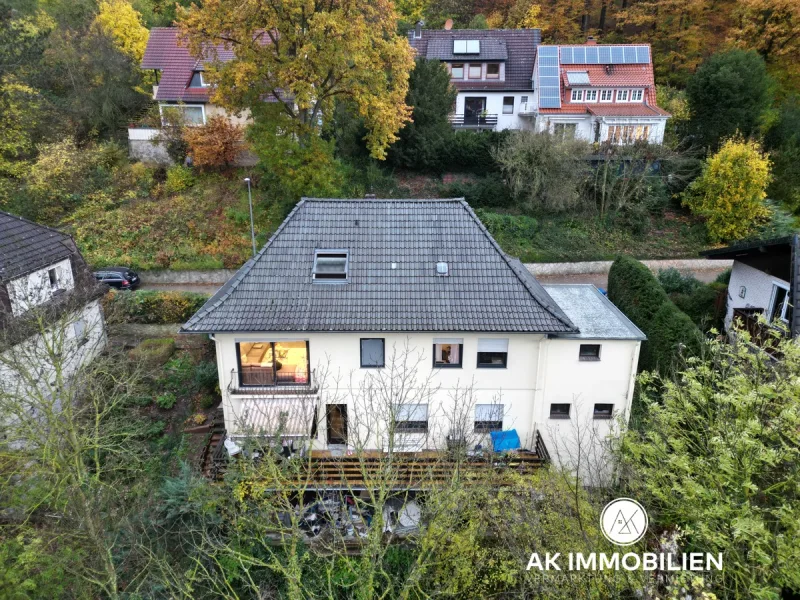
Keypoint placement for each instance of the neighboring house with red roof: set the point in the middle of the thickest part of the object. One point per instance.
(179, 86)
(597, 93)
(507, 80)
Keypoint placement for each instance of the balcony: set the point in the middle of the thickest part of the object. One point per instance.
(527, 109)
(260, 381)
(474, 122)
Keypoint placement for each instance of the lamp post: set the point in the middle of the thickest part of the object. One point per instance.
(252, 228)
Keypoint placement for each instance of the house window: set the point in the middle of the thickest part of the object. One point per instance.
(447, 352)
(52, 274)
(622, 95)
(523, 99)
(330, 266)
(190, 114)
(493, 71)
(589, 352)
(412, 418)
(636, 96)
(273, 363)
(606, 95)
(508, 105)
(488, 417)
(457, 71)
(564, 131)
(466, 46)
(559, 411)
(475, 71)
(779, 303)
(492, 353)
(603, 411)
(627, 134)
(577, 95)
(372, 352)
(591, 96)
(197, 80)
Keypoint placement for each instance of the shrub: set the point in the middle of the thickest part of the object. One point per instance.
(489, 191)
(675, 282)
(543, 173)
(166, 400)
(156, 428)
(153, 307)
(471, 151)
(215, 144)
(731, 191)
(703, 305)
(634, 290)
(153, 352)
(179, 178)
(504, 226)
(671, 334)
(207, 401)
(205, 376)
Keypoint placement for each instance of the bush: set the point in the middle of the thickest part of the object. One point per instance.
(670, 335)
(634, 290)
(505, 226)
(472, 151)
(179, 178)
(166, 400)
(153, 352)
(152, 307)
(675, 282)
(703, 305)
(215, 144)
(205, 376)
(489, 191)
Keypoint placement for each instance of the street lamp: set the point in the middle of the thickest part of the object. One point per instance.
(252, 228)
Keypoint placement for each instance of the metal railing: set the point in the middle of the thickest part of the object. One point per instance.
(473, 121)
(260, 380)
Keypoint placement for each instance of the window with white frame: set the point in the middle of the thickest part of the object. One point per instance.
(627, 134)
(565, 131)
(457, 71)
(590, 96)
(606, 95)
(577, 95)
(622, 95)
(780, 308)
(488, 417)
(191, 114)
(197, 80)
(412, 418)
(637, 95)
(508, 105)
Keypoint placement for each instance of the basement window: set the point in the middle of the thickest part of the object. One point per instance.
(488, 417)
(559, 411)
(603, 411)
(589, 352)
(330, 266)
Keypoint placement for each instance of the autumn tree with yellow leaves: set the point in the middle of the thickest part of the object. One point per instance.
(301, 56)
(731, 191)
(123, 23)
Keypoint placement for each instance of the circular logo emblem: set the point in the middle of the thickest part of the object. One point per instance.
(623, 521)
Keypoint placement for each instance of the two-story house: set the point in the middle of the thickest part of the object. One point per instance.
(507, 80)
(359, 314)
(179, 87)
(46, 289)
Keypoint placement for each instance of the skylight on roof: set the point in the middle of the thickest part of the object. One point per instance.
(466, 46)
(330, 266)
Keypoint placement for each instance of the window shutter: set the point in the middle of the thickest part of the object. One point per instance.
(448, 340)
(488, 412)
(493, 345)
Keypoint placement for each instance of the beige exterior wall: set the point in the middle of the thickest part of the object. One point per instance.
(213, 110)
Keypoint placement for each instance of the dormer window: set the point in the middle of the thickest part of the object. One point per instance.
(636, 95)
(622, 95)
(197, 80)
(330, 266)
(493, 71)
(466, 47)
(591, 96)
(606, 95)
(577, 95)
(457, 71)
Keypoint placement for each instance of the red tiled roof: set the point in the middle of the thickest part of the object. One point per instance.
(615, 76)
(626, 110)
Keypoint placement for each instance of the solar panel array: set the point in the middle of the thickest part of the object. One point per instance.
(605, 55)
(549, 86)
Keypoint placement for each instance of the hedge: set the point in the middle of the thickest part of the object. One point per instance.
(638, 294)
(152, 307)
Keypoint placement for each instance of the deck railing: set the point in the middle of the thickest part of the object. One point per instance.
(265, 380)
(473, 121)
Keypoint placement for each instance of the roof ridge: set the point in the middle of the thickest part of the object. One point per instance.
(507, 258)
(227, 289)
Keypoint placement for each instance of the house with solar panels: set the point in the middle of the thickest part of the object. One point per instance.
(599, 93)
(402, 325)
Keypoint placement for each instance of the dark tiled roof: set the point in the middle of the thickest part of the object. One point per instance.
(520, 47)
(441, 48)
(485, 291)
(26, 246)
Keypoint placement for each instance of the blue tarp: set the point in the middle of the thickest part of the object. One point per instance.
(505, 440)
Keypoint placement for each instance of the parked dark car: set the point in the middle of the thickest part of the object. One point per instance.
(121, 278)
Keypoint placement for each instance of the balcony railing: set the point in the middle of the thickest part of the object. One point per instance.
(258, 380)
(473, 121)
(762, 334)
(527, 108)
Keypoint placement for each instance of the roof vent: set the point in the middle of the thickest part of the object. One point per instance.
(369, 196)
(442, 269)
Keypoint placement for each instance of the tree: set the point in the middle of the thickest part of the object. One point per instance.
(431, 96)
(216, 144)
(123, 23)
(783, 142)
(731, 191)
(302, 57)
(730, 93)
(717, 456)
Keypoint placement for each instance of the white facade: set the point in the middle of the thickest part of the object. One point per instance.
(495, 106)
(751, 288)
(40, 286)
(539, 371)
(596, 129)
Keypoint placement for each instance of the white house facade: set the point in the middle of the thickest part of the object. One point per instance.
(506, 79)
(364, 319)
